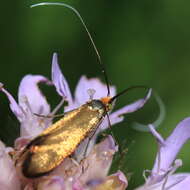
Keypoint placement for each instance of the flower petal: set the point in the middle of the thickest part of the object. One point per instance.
(33, 126)
(9, 180)
(169, 150)
(179, 181)
(53, 183)
(158, 137)
(116, 181)
(74, 168)
(59, 80)
(29, 186)
(77, 186)
(21, 142)
(32, 101)
(15, 108)
(30, 93)
(98, 162)
(84, 84)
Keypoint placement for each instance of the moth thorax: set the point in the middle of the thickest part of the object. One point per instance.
(97, 105)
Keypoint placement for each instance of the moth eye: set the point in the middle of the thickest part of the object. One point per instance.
(110, 106)
(97, 104)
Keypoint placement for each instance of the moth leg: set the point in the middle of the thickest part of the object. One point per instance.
(109, 124)
(53, 113)
(55, 110)
(75, 162)
(88, 141)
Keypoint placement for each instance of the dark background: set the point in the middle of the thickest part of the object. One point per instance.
(140, 41)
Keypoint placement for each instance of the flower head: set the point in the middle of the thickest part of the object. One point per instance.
(72, 174)
(163, 175)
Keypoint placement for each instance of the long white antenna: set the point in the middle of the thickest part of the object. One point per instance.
(89, 35)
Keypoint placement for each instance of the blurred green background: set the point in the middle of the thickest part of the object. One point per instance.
(140, 41)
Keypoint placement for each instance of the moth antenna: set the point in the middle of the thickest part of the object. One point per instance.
(109, 124)
(50, 116)
(87, 31)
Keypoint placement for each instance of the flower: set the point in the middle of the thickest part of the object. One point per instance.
(79, 174)
(163, 176)
(9, 179)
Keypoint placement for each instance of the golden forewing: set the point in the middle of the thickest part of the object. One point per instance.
(62, 138)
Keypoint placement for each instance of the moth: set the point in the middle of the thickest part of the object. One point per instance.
(60, 140)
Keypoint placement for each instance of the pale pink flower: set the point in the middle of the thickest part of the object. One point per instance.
(89, 173)
(163, 176)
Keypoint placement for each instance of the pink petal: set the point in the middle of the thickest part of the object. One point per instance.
(33, 126)
(53, 183)
(77, 186)
(84, 84)
(30, 93)
(121, 177)
(179, 181)
(120, 181)
(29, 186)
(182, 181)
(98, 162)
(21, 142)
(158, 137)
(59, 80)
(15, 108)
(170, 149)
(116, 181)
(9, 180)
